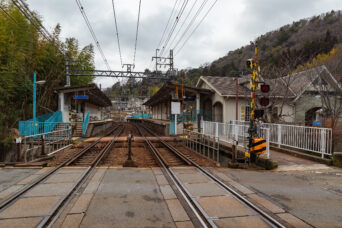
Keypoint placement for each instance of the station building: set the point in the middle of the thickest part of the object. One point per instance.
(82, 104)
(192, 100)
(296, 98)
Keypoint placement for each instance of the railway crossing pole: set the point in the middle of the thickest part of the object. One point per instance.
(252, 131)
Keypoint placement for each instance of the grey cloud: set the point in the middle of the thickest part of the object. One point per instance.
(230, 25)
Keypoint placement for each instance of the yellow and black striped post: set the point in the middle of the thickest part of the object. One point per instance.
(255, 70)
(258, 146)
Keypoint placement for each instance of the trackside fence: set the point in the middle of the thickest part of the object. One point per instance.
(233, 133)
(44, 143)
(312, 139)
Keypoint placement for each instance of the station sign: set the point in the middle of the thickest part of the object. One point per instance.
(175, 108)
(81, 97)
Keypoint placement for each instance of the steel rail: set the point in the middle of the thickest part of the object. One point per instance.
(15, 196)
(40, 179)
(172, 177)
(263, 214)
(56, 211)
(81, 153)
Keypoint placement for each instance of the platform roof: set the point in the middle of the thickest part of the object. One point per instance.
(96, 96)
(164, 93)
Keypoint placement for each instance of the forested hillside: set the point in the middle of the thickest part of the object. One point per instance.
(293, 44)
(23, 51)
(282, 51)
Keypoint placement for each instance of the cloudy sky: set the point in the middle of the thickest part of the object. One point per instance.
(229, 25)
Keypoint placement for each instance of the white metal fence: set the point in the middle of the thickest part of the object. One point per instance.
(233, 132)
(36, 145)
(312, 139)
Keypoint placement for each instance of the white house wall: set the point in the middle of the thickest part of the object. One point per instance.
(93, 110)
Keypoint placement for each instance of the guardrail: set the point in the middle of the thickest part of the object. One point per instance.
(32, 146)
(313, 139)
(231, 133)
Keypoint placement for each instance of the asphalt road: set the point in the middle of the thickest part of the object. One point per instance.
(313, 194)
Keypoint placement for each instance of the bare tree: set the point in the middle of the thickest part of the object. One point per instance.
(280, 79)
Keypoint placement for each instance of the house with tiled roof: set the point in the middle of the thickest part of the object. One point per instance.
(294, 98)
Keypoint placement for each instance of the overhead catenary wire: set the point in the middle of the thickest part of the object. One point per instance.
(136, 34)
(97, 43)
(167, 24)
(178, 17)
(180, 28)
(191, 22)
(206, 14)
(165, 29)
(117, 31)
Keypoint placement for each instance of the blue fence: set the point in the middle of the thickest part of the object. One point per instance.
(141, 116)
(44, 124)
(85, 124)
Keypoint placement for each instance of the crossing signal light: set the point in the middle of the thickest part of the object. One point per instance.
(264, 101)
(265, 88)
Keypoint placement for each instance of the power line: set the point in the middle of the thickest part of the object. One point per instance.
(136, 35)
(180, 28)
(33, 19)
(167, 24)
(117, 32)
(191, 22)
(174, 26)
(197, 26)
(8, 15)
(79, 4)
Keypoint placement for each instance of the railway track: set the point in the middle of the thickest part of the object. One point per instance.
(192, 200)
(168, 156)
(88, 156)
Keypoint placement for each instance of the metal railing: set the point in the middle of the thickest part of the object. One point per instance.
(313, 139)
(232, 133)
(33, 146)
(43, 124)
(206, 145)
(85, 124)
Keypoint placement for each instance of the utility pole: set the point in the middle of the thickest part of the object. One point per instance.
(67, 70)
(236, 98)
(164, 61)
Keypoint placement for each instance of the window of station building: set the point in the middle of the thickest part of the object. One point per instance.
(245, 113)
(248, 113)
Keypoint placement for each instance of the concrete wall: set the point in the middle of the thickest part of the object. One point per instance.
(98, 128)
(93, 110)
(303, 104)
